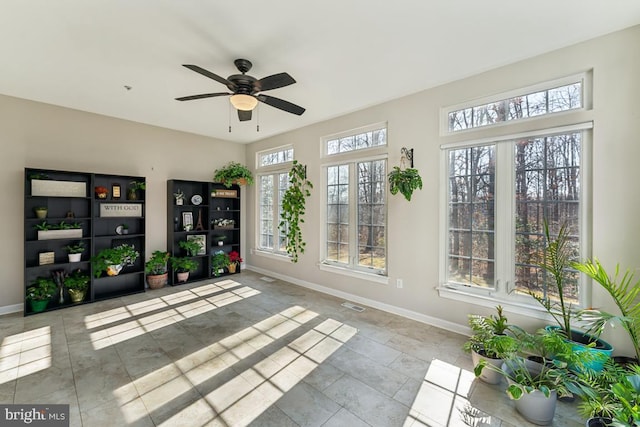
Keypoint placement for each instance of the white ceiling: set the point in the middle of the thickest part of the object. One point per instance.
(345, 54)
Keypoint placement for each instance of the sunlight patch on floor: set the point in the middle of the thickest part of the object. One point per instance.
(442, 400)
(237, 399)
(129, 322)
(25, 353)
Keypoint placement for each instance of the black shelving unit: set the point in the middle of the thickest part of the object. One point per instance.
(207, 203)
(70, 197)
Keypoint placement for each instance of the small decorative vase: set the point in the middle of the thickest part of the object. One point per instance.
(41, 213)
(182, 277)
(132, 195)
(232, 267)
(77, 295)
(75, 257)
(179, 202)
(220, 242)
(114, 270)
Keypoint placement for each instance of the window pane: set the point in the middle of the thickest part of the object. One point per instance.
(547, 187)
(266, 212)
(533, 104)
(472, 180)
(360, 141)
(371, 197)
(276, 157)
(337, 213)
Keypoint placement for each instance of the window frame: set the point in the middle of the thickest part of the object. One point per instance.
(352, 158)
(505, 222)
(585, 78)
(273, 170)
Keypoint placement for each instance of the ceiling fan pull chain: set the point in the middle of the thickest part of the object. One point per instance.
(258, 118)
(229, 118)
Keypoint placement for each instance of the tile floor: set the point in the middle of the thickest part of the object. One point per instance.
(244, 351)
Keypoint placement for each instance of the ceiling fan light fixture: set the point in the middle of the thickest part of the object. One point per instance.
(243, 102)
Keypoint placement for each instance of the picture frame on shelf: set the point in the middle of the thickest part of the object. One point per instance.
(116, 191)
(187, 221)
(201, 239)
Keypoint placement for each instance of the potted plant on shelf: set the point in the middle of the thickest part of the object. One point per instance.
(62, 230)
(112, 260)
(490, 342)
(183, 266)
(132, 190)
(156, 269)
(191, 247)
(293, 209)
(556, 260)
(405, 181)
(41, 212)
(219, 261)
(77, 284)
(179, 196)
(233, 173)
(101, 192)
(75, 251)
(219, 239)
(234, 261)
(40, 293)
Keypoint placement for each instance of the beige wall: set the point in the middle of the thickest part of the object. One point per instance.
(413, 122)
(44, 136)
(39, 135)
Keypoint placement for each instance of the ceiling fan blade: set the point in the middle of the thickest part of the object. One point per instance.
(275, 81)
(281, 104)
(244, 115)
(203, 95)
(209, 74)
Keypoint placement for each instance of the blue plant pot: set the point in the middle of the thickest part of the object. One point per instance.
(580, 340)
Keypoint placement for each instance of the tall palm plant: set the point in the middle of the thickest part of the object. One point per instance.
(556, 259)
(624, 292)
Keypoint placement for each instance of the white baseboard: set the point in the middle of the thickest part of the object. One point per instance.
(429, 320)
(8, 309)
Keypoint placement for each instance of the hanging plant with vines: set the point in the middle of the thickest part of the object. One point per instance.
(293, 207)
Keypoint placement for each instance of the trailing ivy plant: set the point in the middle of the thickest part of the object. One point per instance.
(293, 208)
(404, 181)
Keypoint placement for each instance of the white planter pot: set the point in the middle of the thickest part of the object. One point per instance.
(72, 233)
(488, 375)
(535, 406)
(75, 257)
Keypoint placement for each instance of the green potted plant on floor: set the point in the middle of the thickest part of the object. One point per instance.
(233, 173)
(40, 293)
(77, 284)
(625, 293)
(535, 386)
(219, 262)
(113, 260)
(556, 260)
(156, 269)
(489, 341)
(182, 267)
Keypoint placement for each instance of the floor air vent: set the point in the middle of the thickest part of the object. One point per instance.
(267, 279)
(353, 307)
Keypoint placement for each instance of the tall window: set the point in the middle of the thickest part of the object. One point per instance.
(499, 196)
(273, 181)
(356, 200)
(501, 191)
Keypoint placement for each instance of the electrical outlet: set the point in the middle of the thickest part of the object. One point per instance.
(399, 283)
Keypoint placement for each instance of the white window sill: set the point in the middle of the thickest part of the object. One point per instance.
(371, 277)
(487, 299)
